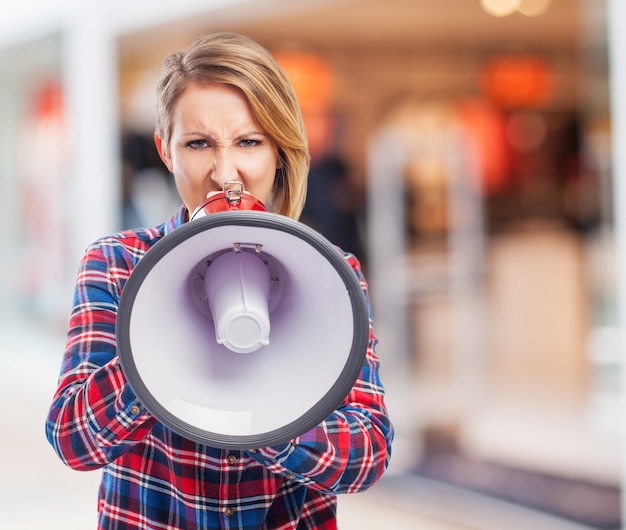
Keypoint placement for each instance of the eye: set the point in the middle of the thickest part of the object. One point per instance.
(248, 142)
(197, 144)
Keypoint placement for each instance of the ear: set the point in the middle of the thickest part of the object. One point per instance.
(163, 151)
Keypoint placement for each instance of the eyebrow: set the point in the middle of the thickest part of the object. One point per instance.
(211, 137)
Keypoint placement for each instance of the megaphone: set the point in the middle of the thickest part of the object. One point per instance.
(242, 328)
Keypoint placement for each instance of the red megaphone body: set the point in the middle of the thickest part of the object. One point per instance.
(233, 197)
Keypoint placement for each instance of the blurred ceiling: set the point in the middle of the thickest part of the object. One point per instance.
(381, 25)
(421, 23)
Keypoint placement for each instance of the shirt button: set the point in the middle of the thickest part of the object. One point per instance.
(229, 511)
(135, 409)
(252, 451)
(291, 477)
(232, 459)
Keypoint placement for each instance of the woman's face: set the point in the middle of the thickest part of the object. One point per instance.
(215, 139)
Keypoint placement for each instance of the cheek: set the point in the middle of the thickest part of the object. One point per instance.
(260, 183)
(188, 172)
(262, 171)
(183, 165)
(189, 179)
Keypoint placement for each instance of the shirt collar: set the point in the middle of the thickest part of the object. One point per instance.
(178, 219)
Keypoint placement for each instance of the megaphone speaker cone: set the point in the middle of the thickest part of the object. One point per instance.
(251, 307)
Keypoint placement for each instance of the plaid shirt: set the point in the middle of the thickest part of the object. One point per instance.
(156, 479)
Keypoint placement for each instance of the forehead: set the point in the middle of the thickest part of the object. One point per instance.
(211, 94)
(214, 102)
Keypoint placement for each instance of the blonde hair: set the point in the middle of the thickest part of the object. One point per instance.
(241, 62)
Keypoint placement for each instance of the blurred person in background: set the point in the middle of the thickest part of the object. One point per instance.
(334, 207)
(225, 112)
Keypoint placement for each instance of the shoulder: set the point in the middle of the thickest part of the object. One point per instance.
(122, 250)
(139, 240)
(119, 252)
(135, 239)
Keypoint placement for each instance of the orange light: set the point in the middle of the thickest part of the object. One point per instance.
(311, 78)
(48, 100)
(518, 80)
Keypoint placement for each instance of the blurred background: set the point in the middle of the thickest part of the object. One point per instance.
(462, 149)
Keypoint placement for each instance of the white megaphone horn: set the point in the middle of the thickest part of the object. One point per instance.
(235, 310)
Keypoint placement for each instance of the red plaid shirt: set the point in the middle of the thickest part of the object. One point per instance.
(156, 479)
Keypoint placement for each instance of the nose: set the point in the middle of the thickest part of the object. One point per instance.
(224, 168)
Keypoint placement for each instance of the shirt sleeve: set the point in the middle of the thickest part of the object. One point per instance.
(95, 416)
(350, 450)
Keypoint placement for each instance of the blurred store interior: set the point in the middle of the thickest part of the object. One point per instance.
(461, 148)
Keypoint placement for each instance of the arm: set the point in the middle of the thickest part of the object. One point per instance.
(95, 415)
(350, 450)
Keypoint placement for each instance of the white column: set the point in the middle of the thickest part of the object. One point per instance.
(617, 65)
(387, 276)
(89, 59)
(387, 244)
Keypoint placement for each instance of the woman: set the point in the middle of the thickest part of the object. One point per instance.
(225, 112)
